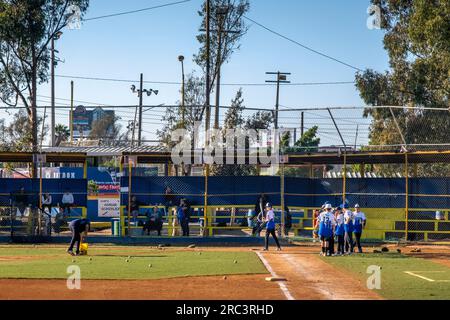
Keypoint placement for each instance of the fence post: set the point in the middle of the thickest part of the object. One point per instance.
(39, 220)
(85, 175)
(407, 196)
(129, 195)
(344, 181)
(206, 226)
(122, 218)
(282, 199)
(85, 169)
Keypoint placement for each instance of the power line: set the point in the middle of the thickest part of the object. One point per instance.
(302, 45)
(159, 112)
(223, 84)
(136, 11)
(132, 106)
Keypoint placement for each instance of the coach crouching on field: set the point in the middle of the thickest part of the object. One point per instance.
(79, 229)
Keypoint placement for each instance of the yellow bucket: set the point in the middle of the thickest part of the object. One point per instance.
(84, 248)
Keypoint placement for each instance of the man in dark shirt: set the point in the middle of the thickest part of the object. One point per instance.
(20, 200)
(184, 216)
(79, 229)
(169, 197)
(134, 208)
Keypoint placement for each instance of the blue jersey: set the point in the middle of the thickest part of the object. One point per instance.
(180, 213)
(270, 220)
(348, 221)
(359, 218)
(340, 225)
(326, 223)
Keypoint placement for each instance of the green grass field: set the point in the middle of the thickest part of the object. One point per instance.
(27, 262)
(395, 283)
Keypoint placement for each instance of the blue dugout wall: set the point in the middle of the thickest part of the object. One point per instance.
(301, 192)
(56, 188)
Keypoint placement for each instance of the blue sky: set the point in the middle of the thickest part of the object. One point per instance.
(149, 42)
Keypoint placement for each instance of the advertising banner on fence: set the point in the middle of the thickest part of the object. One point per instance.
(109, 207)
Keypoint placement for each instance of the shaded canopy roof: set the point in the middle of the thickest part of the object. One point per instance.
(159, 154)
(56, 157)
(107, 151)
(357, 157)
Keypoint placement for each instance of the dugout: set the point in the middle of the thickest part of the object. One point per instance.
(397, 205)
(22, 213)
(401, 204)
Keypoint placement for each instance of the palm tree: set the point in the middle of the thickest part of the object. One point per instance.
(62, 133)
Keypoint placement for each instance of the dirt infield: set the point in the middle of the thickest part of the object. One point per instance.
(195, 288)
(309, 277)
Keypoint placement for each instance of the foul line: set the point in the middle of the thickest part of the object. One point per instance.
(282, 285)
(425, 278)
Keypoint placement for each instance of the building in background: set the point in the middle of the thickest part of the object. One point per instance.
(83, 119)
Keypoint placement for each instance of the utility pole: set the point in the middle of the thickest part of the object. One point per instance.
(356, 136)
(183, 111)
(140, 93)
(221, 12)
(141, 86)
(281, 78)
(53, 63)
(71, 112)
(303, 124)
(208, 59)
(208, 106)
(52, 76)
(219, 64)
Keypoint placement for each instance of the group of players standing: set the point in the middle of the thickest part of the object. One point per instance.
(340, 223)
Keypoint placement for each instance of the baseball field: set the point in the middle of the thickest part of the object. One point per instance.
(216, 273)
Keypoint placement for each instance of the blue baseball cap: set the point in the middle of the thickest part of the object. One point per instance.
(344, 205)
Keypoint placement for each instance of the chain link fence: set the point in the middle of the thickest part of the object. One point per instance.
(392, 161)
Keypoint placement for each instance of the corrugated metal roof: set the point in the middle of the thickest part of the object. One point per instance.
(106, 151)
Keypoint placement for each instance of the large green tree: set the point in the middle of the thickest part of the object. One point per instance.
(173, 119)
(26, 30)
(308, 142)
(234, 119)
(17, 134)
(62, 133)
(417, 39)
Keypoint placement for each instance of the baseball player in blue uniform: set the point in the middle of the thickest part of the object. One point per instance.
(339, 232)
(359, 222)
(270, 227)
(348, 229)
(327, 223)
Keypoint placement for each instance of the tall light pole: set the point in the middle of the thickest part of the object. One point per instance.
(281, 78)
(140, 92)
(52, 75)
(183, 112)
